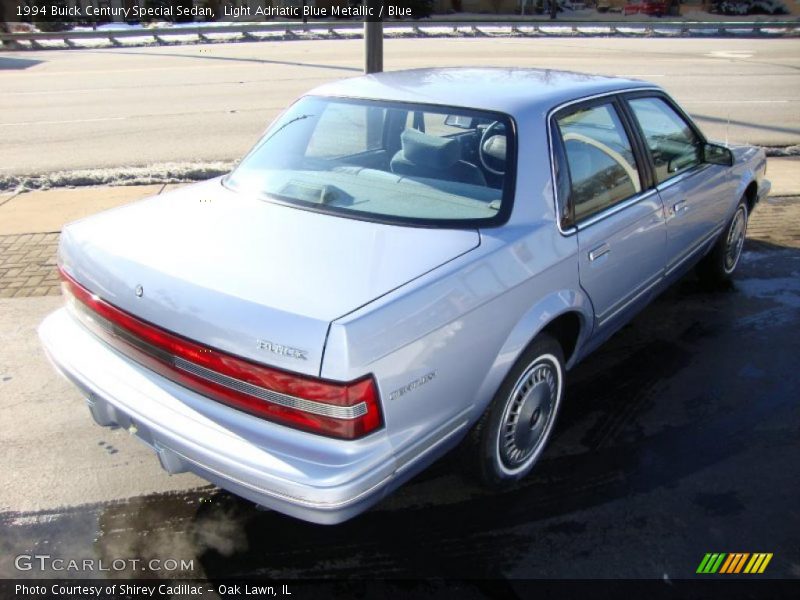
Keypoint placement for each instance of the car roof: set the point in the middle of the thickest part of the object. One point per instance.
(509, 90)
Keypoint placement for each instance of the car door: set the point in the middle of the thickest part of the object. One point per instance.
(611, 207)
(694, 192)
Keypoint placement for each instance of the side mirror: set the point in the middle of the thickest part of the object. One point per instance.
(717, 155)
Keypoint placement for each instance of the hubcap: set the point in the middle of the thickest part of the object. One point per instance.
(529, 414)
(735, 240)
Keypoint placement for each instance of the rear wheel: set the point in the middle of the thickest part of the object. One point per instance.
(721, 262)
(513, 432)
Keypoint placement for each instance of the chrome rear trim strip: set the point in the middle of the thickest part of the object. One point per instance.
(309, 406)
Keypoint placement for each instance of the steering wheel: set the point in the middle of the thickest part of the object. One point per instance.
(485, 148)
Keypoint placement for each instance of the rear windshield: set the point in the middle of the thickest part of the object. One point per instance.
(406, 163)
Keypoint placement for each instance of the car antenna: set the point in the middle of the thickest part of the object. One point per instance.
(728, 125)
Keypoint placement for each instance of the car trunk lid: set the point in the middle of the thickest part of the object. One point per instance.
(244, 275)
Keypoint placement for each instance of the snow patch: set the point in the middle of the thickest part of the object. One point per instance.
(783, 150)
(152, 174)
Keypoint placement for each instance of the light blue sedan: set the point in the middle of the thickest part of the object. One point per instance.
(404, 262)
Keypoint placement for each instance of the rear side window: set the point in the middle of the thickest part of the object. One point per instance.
(673, 144)
(602, 168)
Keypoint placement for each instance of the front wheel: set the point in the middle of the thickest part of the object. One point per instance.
(721, 262)
(512, 433)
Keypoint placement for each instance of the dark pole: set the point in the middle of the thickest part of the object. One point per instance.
(553, 8)
(373, 38)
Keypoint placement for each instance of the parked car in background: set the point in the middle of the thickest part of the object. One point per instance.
(570, 5)
(404, 262)
(653, 8)
(751, 7)
(768, 7)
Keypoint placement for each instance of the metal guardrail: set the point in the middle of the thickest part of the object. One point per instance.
(248, 31)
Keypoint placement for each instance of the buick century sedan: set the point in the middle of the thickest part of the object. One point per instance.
(405, 262)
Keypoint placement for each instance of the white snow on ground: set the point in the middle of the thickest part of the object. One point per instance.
(488, 29)
(144, 40)
(430, 30)
(267, 35)
(594, 30)
(109, 27)
(177, 38)
(345, 31)
(57, 44)
(559, 29)
(90, 43)
(222, 37)
(703, 31)
(153, 174)
(631, 30)
(783, 150)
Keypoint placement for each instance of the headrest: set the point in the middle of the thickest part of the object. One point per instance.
(429, 150)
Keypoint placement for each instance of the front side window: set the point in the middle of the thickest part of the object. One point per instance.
(673, 144)
(602, 168)
(397, 162)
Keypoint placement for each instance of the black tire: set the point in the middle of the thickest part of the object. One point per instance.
(718, 265)
(531, 393)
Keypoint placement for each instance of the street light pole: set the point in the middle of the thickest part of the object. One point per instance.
(373, 39)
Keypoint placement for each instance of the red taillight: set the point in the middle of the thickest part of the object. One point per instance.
(342, 410)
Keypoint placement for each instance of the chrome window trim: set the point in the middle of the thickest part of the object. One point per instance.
(675, 179)
(571, 230)
(614, 209)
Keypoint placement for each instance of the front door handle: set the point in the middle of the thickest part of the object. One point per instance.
(679, 207)
(601, 250)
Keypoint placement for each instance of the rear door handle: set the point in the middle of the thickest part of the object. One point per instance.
(601, 250)
(679, 207)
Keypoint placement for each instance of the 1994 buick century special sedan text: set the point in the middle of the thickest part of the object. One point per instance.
(402, 261)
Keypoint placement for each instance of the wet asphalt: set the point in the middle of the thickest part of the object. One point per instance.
(680, 436)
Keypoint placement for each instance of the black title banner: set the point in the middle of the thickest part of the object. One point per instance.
(93, 12)
(235, 589)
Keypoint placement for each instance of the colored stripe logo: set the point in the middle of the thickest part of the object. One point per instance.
(735, 562)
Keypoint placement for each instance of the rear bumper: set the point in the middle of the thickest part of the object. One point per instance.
(303, 475)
